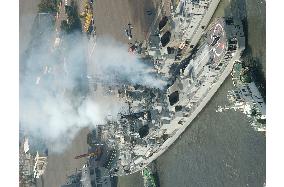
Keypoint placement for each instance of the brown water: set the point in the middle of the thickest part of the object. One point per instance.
(221, 149)
(218, 149)
(27, 12)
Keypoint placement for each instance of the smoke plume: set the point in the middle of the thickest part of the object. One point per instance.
(55, 98)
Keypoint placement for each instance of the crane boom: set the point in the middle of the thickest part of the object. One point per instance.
(95, 153)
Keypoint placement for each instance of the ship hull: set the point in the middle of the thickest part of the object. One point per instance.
(198, 109)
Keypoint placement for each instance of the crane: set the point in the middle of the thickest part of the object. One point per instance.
(95, 153)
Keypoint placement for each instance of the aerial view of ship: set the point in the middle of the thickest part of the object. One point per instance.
(129, 97)
(157, 117)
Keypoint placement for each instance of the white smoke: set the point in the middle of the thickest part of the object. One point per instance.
(54, 103)
(114, 63)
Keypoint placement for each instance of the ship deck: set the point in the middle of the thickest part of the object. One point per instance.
(217, 49)
(216, 43)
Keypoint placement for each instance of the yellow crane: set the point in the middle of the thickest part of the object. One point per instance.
(87, 14)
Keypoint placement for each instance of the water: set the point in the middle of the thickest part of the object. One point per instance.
(219, 149)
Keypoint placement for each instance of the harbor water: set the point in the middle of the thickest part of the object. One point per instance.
(219, 149)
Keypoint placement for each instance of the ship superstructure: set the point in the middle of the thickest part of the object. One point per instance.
(191, 18)
(178, 34)
(89, 176)
(155, 118)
